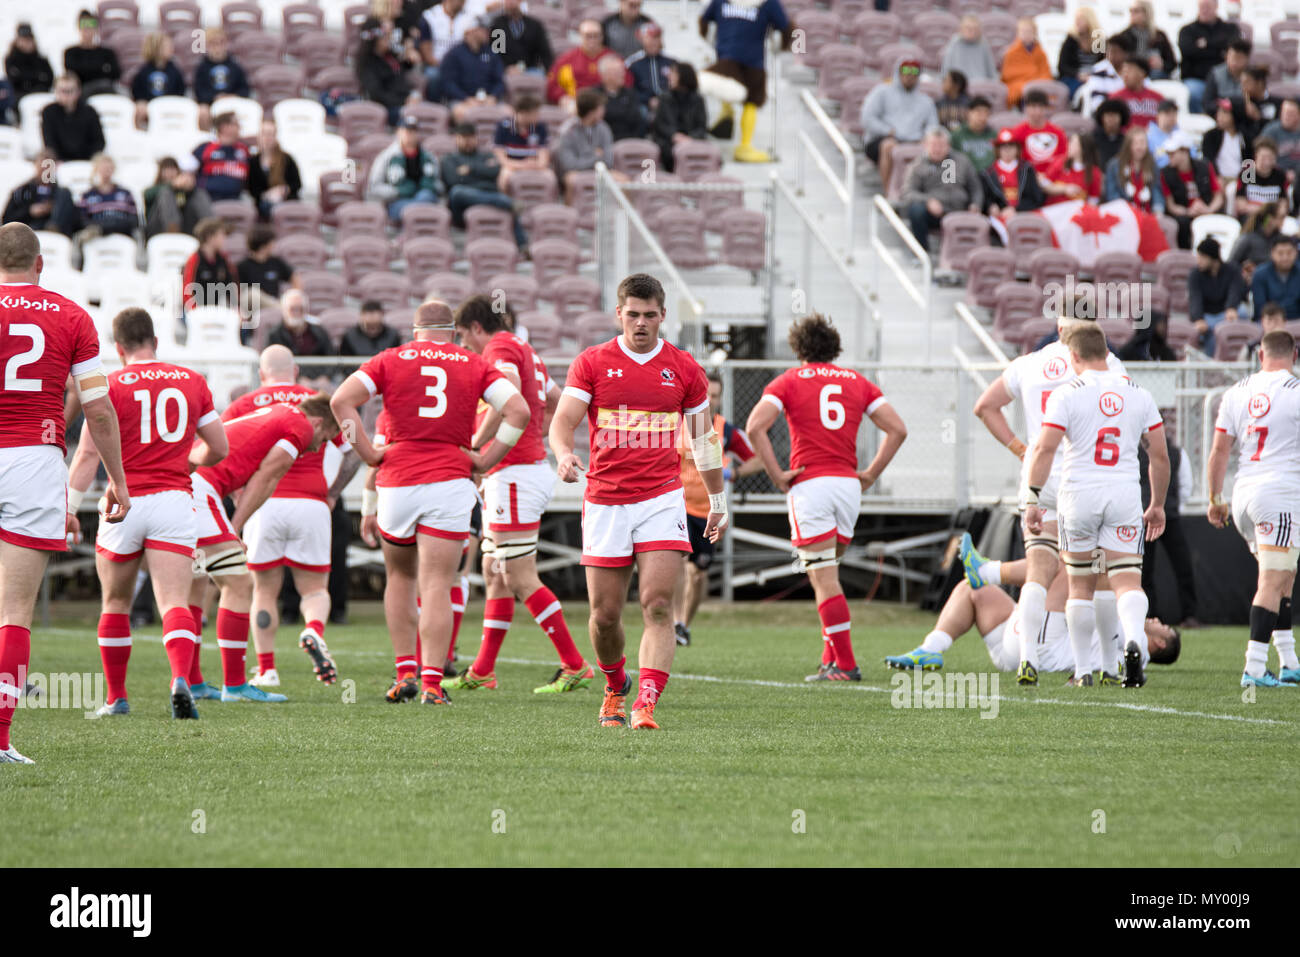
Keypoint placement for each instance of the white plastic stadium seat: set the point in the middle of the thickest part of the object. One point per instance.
(212, 329)
(106, 256)
(167, 252)
(298, 119)
(173, 114)
(1172, 90)
(13, 174)
(56, 250)
(116, 115)
(1223, 228)
(1196, 124)
(11, 144)
(65, 283)
(176, 144)
(248, 111)
(75, 176)
(29, 112)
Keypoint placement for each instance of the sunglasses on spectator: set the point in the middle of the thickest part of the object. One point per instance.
(909, 70)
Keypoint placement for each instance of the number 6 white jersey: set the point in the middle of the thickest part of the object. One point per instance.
(1034, 377)
(1103, 416)
(1262, 414)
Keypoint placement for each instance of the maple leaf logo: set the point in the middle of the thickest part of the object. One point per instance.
(1090, 220)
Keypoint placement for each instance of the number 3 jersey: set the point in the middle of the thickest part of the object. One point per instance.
(1104, 416)
(159, 408)
(824, 406)
(1262, 413)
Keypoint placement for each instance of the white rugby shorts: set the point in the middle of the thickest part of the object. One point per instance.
(440, 509)
(823, 507)
(613, 535)
(34, 497)
(289, 531)
(1106, 517)
(160, 521)
(515, 497)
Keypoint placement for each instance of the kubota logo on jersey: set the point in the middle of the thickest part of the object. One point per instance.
(807, 373)
(262, 399)
(1111, 403)
(433, 353)
(128, 378)
(1265, 528)
(1258, 406)
(1054, 368)
(22, 302)
(1127, 533)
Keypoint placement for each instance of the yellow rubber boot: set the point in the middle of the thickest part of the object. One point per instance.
(745, 151)
(722, 127)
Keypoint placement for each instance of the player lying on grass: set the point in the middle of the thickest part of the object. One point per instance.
(973, 603)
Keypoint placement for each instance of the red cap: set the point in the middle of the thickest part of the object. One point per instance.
(1005, 136)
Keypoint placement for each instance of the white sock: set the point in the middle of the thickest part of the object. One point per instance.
(1033, 614)
(1133, 607)
(937, 642)
(1284, 642)
(1108, 630)
(1081, 620)
(991, 572)
(1256, 658)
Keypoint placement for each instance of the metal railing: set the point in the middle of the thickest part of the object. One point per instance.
(881, 211)
(841, 185)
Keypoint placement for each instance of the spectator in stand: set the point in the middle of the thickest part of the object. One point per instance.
(94, 64)
(8, 101)
(622, 28)
(1262, 184)
(1150, 44)
(1041, 142)
(1224, 147)
(1143, 102)
(1165, 126)
(224, 163)
(379, 72)
(25, 66)
(1285, 132)
(578, 68)
(1131, 176)
(521, 39)
(649, 68)
(1272, 318)
(471, 74)
(107, 208)
(299, 332)
(1215, 291)
(1261, 108)
(441, 28)
(586, 142)
(175, 203)
(218, 74)
(1255, 241)
(157, 76)
(968, 52)
(623, 110)
(1024, 61)
(974, 139)
(400, 22)
(41, 202)
(939, 182)
(681, 116)
(470, 176)
(740, 42)
(1190, 186)
(1081, 50)
(404, 172)
(953, 101)
(370, 336)
(1203, 43)
(1149, 343)
(1076, 175)
(1010, 184)
(1103, 79)
(263, 276)
(69, 125)
(1111, 119)
(273, 175)
(893, 113)
(521, 141)
(1277, 280)
(1224, 79)
(208, 277)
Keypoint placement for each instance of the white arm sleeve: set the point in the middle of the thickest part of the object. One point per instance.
(499, 393)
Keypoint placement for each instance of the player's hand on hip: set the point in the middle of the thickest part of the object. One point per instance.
(370, 530)
(73, 530)
(477, 465)
(714, 526)
(569, 468)
(1218, 515)
(1154, 517)
(115, 504)
(867, 479)
(785, 479)
(1033, 518)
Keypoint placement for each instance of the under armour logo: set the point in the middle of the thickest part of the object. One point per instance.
(611, 373)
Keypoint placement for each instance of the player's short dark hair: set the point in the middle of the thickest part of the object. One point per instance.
(527, 103)
(133, 328)
(641, 285)
(318, 404)
(979, 102)
(19, 247)
(814, 339)
(1037, 98)
(1086, 340)
(1278, 344)
(1122, 41)
(1242, 46)
(1266, 143)
(1272, 309)
(260, 236)
(1257, 73)
(588, 101)
(1169, 653)
(209, 227)
(372, 305)
(481, 309)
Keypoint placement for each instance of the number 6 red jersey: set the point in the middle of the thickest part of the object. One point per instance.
(159, 408)
(824, 406)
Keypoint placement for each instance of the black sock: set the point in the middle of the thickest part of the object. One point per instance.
(1261, 624)
(1283, 616)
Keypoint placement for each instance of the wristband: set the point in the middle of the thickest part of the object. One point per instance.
(1032, 497)
(1017, 448)
(369, 502)
(74, 499)
(508, 435)
(718, 503)
(1216, 500)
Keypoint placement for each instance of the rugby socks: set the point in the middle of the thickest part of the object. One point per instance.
(937, 642)
(1261, 629)
(196, 670)
(1033, 615)
(317, 628)
(459, 593)
(828, 649)
(115, 652)
(1108, 630)
(431, 679)
(179, 639)
(265, 662)
(1133, 606)
(497, 616)
(836, 626)
(406, 667)
(232, 639)
(652, 682)
(15, 653)
(1080, 619)
(615, 674)
(1283, 639)
(991, 572)
(546, 611)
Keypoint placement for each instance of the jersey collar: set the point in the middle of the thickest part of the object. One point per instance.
(638, 357)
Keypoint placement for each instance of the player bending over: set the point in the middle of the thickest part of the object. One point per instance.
(823, 406)
(1102, 416)
(160, 407)
(425, 494)
(1261, 413)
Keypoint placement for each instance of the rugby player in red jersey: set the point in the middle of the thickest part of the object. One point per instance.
(515, 494)
(263, 447)
(634, 390)
(160, 407)
(823, 406)
(44, 339)
(425, 494)
(292, 529)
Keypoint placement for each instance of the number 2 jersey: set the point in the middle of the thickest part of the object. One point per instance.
(306, 477)
(824, 406)
(506, 352)
(1262, 413)
(159, 408)
(1104, 416)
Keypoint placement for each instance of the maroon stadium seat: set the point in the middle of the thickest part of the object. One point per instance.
(277, 82)
(1027, 335)
(362, 254)
(426, 255)
(336, 321)
(904, 155)
(552, 259)
(1051, 265)
(839, 64)
(115, 14)
(239, 17)
(695, 158)
(584, 198)
(593, 328)
(744, 239)
(488, 221)
(986, 269)
(1230, 338)
(258, 49)
(1017, 303)
(295, 216)
(361, 118)
(319, 49)
(1027, 232)
(963, 233)
(303, 252)
(551, 221)
(932, 32)
(525, 84)
(322, 287)
(128, 44)
(299, 19)
(489, 255)
(358, 218)
(1116, 330)
(1071, 122)
(821, 31)
(1058, 94)
(1173, 267)
(451, 287)
(999, 29)
(439, 144)
(485, 118)
(682, 238)
(1182, 335)
(633, 157)
(353, 17)
(339, 78)
(995, 91)
(424, 219)
(238, 214)
(176, 15)
(574, 295)
(392, 289)
(1117, 267)
(433, 118)
(848, 11)
(650, 203)
(543, 328)
(335, 190)
(714, 203)
(852, 94)
(521, 292)
(533, 187)
(874, 30)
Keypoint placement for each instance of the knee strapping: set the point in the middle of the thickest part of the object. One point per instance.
(515, 548)
(1042, 541)
(1271, 560)
(821, 558)
(1095, 564)
(1128, 563)
(233, 561)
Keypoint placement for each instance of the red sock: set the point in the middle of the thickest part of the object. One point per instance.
(406, 667)
(828, 650)
(232, 639)
(834, 614)
(497, 615)
(196, 671)
(317, 628)
(431, 678)
(115, 652)
(15, 652)
(546, 611)
(457, 613)
(615, 676)
(265, 661)
(178, 639)
(652, 686)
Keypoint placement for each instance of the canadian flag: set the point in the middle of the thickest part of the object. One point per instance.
(1086, 231)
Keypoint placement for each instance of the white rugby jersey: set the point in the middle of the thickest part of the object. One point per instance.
(1103, 416)
(1262, 414)
(1034, 377)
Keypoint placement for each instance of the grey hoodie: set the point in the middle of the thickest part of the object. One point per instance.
(975, 60)
(890, 110)
(957, 188)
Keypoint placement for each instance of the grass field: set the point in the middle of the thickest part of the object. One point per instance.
(1184, 771)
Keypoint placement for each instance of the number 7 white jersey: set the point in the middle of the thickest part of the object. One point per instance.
(1104, 416)
(1262, 414)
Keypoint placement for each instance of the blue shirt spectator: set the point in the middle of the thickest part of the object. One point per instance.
(218, 73)
(1278, 280)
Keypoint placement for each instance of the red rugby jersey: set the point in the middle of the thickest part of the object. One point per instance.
(506, 351)
(824, 406)
(306, 477)
(159, 408)
(254, 435)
